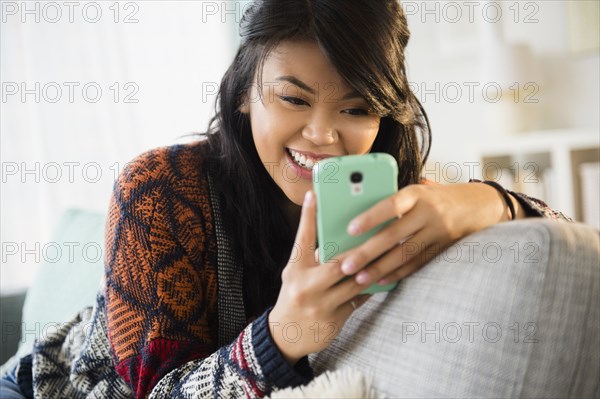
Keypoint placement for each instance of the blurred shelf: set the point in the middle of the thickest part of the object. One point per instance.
(545, 165)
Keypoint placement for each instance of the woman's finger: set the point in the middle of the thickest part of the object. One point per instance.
(307, 231)
(324, 277)
(396, 258)
(373, 274)
(386, 209)
(418, 249)
(382, 242)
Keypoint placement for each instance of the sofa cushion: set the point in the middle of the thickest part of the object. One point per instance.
(511, 311)
(63, 287)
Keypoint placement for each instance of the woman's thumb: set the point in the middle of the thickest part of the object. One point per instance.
(306, 235)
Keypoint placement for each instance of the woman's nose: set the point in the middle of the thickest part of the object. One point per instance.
(320, 131)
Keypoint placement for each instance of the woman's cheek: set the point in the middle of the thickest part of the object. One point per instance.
(362, 137)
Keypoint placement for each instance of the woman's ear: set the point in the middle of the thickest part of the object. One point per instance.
(244, 107)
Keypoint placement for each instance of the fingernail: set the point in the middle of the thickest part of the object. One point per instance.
(383, 281)
(362, 278)
(348, 266)
(354, 228)
(308, 198)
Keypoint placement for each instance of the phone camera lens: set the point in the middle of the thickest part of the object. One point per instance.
(356, 177)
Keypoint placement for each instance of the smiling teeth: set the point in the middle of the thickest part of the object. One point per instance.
(304, 161)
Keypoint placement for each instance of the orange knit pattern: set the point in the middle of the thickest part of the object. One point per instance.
(161, 253)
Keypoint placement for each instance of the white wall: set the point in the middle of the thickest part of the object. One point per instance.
(447, 51)
(171, 54)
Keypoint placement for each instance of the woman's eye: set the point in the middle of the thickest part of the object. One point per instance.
(293, 100)
(357, 112)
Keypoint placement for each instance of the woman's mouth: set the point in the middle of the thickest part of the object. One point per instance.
(301, 166)
(302, 160)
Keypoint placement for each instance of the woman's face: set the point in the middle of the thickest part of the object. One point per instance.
(305, 108)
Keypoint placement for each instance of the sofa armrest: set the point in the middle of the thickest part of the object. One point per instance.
(511, 311)
(10, 324)
(63, 286)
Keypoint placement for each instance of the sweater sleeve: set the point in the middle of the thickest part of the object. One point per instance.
(250, 367)
(161, 290)
(534, 207)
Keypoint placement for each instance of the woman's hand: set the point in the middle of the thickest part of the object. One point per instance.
(430, 218)
(310, 311)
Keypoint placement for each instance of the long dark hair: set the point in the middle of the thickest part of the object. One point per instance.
(365, 41)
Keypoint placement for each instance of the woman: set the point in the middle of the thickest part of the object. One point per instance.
(210, 256)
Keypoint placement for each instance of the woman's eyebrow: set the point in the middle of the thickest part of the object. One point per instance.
(352, 94)
(297, 82)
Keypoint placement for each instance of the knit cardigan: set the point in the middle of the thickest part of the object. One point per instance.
(169, 318)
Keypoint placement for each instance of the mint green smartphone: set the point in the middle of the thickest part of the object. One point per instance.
(345, 187)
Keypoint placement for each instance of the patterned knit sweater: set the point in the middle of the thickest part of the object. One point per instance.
(169, 318)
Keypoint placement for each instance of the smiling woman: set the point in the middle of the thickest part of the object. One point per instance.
(293, 120)
(211, 285)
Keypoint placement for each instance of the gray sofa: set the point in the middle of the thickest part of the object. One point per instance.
(511, 311)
